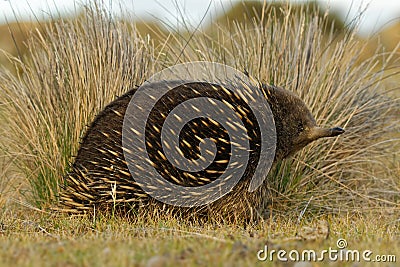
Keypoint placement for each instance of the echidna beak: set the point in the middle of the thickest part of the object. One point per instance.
(336, 131)
(319, 132)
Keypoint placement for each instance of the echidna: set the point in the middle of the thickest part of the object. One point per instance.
(100, 178)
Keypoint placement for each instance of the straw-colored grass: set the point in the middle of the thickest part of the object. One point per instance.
(71, 74)
(80, 65)
(302, 53)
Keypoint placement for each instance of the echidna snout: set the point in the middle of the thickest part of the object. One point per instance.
(313, 134)
(319, 132)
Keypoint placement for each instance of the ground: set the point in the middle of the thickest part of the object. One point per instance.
(29, 237)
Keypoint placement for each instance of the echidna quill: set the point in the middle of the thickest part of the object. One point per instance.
(100, 178)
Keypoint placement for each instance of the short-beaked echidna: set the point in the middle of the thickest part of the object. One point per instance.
(100, 178)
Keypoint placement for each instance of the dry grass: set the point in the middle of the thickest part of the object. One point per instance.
(30, 238)
(70, 76)
(304, 54)
(82, 64)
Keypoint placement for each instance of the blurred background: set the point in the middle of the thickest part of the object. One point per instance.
(376, 20)
(376, 13)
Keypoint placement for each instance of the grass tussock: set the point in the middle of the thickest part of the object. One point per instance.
(82, 64)
(303, 53)
(71, 74)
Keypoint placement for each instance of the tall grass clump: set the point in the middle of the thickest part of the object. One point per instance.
(80, 65)
(75, 67)
(299, 48)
